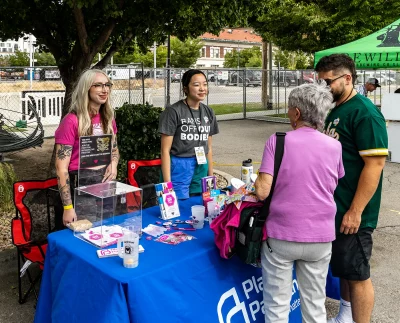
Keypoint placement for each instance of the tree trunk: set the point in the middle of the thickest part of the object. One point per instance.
(264, 83)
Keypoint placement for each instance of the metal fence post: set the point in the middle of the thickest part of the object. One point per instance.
(143, 97)
(129, 85)
(244, 93)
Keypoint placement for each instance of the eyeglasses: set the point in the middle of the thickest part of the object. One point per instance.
(329, 81)
(101, 86)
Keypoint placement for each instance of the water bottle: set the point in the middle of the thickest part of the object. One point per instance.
(247, 171)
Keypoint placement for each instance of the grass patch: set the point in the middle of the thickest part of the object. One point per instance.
(228, 108)
(279, 115)
(14, 129)
(7, 179)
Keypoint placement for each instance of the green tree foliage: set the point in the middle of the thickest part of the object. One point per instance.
(249, 57)
(293, 60)
(75, 31)
(44, 59)
(161, 57)
(19, 59)
(319, 24)
(185, 53)
(4, 61)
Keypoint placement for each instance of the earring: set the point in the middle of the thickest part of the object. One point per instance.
(295, 124)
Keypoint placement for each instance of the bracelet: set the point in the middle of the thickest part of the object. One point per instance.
(68, 207)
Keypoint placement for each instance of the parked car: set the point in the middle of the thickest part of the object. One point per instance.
(307, 76)
(384, 77)
(221, 77)
(284, 78)
(252, 78)
(176, 76)
(4, 74)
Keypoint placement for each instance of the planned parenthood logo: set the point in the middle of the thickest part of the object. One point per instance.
(247, 310)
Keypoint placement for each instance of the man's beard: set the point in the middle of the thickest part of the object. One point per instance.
(338, 94)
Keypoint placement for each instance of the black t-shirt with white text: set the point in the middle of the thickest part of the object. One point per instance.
(189, 127)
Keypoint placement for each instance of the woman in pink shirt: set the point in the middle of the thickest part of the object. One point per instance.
(91, 114)
(301, 221)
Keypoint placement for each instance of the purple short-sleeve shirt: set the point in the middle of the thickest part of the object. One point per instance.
(302, 207)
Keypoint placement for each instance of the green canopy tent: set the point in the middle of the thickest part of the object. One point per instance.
(378, 50)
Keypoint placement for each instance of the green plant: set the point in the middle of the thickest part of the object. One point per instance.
(7, 178)
(138, 137)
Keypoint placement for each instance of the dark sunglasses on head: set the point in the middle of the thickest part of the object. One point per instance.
(330, 81)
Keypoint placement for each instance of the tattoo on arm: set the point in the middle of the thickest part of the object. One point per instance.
(114, 151)
(64, 151)
(65, 190)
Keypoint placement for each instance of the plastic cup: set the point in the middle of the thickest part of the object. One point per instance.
(212, 211)
(198, 216)
(128, 249)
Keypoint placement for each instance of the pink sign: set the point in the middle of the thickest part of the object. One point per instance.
(169, 199)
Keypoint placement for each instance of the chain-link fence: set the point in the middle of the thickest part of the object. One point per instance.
(233, 93)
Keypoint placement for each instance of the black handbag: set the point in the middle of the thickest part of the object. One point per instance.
(249, 233)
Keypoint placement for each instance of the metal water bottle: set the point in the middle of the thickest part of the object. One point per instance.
(247, 171)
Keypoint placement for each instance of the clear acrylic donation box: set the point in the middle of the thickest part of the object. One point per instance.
(105, 211)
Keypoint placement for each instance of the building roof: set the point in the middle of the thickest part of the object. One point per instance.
(238, 35)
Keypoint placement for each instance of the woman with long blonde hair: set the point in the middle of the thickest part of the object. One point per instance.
(90, 114)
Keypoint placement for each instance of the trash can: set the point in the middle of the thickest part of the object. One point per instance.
(29, 74)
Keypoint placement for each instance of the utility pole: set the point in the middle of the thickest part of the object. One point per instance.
(264, 82)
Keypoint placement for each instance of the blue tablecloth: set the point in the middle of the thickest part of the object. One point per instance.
(187, 283)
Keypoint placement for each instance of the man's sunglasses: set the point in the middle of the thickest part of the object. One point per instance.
(330, 81)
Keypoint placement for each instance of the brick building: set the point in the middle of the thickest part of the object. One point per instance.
(215, 47)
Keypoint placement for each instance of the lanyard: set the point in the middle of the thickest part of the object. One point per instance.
(195, 123)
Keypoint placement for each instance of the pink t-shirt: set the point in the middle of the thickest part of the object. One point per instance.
(67, 134)
(302, 207)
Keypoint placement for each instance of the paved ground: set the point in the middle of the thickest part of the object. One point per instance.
(237, 141)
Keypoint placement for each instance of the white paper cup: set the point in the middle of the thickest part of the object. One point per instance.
(198, 216)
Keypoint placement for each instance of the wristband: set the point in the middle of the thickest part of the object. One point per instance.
(68, 207)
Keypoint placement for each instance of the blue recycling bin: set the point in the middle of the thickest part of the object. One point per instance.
(30, 74)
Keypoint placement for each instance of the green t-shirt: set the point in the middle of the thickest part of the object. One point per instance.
(361, 129)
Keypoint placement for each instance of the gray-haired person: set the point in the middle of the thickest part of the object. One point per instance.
(301, 221)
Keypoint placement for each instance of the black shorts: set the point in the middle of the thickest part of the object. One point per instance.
(351, 254)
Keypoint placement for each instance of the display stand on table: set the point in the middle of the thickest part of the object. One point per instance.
(105, 210)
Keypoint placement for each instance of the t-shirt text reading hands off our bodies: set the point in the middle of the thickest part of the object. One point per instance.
(189, 127)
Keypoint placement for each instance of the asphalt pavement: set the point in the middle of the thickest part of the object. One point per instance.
(239, 140)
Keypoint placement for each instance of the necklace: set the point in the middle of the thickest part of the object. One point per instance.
(345, 100)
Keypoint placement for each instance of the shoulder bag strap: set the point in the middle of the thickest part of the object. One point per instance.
(279, 149)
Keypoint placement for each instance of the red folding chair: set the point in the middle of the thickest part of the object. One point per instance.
(32, 199)
(145, 174)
